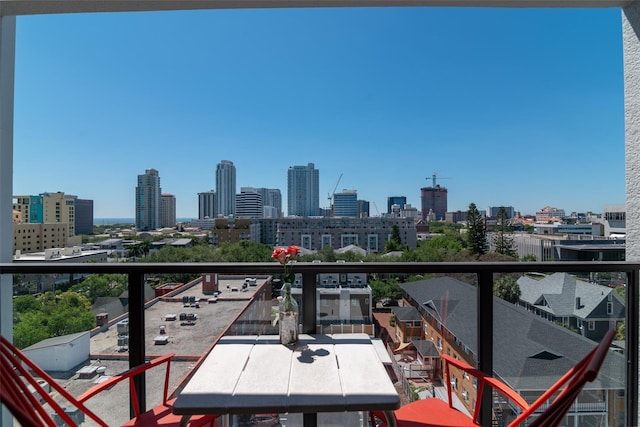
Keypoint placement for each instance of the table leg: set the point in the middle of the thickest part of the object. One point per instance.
(310, 420)
(184, 420)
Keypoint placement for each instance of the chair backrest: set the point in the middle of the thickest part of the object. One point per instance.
(483, 380)
(573, 381)
(22, 391)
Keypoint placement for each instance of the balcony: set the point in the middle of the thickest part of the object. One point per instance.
(486, 317)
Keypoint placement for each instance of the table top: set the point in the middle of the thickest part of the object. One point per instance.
(322, 373)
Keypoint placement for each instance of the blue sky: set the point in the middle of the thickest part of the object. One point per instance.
(515, 107)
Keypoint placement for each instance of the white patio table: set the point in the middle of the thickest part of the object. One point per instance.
(321, 373)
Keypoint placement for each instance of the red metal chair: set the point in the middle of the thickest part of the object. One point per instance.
(433, 412)
(22, 393)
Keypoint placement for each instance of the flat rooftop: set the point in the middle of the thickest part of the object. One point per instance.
(189, 340)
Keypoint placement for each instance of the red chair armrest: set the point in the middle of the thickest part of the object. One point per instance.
(130, 374)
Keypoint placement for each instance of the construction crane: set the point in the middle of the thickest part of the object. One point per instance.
(330, 195)
(376, 206)
(433, 177)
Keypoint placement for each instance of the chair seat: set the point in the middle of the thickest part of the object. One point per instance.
(431, 412)
(161, 416)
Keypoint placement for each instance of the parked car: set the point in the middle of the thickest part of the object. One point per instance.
(270, 420)
(388, 302)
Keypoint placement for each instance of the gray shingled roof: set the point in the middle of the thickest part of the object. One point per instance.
(560, 291)
(426, 348)
(518, 336)
(405, 314)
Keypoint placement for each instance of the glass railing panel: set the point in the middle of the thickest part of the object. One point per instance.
(544, 323)
(190, 328)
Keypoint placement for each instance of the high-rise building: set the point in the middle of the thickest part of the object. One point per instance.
(249, 203)
(168, 210)
(492, 211)
(84, 216)
(48, 208)
(434, 199)
(396, 200)
(345, 204)
(148, 201)
(272, 201)
(363, 209)
(207, 204)
(226, 188)
(303, 191)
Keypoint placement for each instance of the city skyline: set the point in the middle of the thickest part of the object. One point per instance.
(515, 120)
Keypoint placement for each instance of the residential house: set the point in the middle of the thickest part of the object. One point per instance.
(408, 325)
(530, 353)
(587, 307)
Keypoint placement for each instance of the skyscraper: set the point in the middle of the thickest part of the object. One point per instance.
(168, 211)
(396, 200)
(434, 199)
(303, 194)
(148, 201)
(345, 204)
(272, 200)
(84, 216)
(249, 203)
(225, 188)
(207, 204)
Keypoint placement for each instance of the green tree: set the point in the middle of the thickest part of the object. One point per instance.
(53, 314)
(476, 231)
(502, 239)
(101, 285)
(395, 235)
(327, 254)
(392, 246)
(507, 288)
(620, 331)
(388, 288)
(436, 249)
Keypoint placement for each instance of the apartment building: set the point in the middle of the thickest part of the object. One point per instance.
(341, 299)
(148, 201)
(225, 188)
(368, 233)
(48, 208)
(168, 210)
(303, 190)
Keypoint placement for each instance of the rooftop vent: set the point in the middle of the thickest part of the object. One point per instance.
(545, 355)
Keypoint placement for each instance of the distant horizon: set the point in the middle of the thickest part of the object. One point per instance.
(127, 220)
(132, 220)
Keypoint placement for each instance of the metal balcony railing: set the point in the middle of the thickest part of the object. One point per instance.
(484, 272)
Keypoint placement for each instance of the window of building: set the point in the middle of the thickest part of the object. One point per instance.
(592, 325)
(609, 308)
